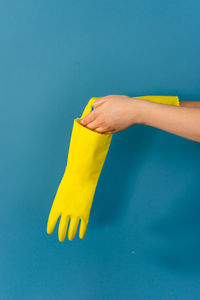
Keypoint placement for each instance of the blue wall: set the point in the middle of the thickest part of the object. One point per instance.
(143, 238)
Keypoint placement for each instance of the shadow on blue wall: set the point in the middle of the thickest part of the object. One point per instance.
(124, 156)
(177, 235)
(172, 239)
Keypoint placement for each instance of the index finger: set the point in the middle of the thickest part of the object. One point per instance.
(89, 118)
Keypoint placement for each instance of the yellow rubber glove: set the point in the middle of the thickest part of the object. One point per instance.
(87, 152)
(86, 156)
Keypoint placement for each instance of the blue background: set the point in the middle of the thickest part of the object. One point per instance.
(143, 238)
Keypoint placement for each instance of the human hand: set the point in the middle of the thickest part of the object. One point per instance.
(112, 113)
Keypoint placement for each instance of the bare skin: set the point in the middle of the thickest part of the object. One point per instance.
(115, 113)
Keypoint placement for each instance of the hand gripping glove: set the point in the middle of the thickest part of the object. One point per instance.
(86, 156)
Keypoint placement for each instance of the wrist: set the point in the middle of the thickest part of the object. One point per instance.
(140, 107)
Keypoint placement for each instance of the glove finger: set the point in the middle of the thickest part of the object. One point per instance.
(53, 217)
(62, 230)
(73, 227)
(82, 229)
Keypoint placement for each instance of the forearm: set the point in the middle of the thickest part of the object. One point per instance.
(194, 104)
(183, 121)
